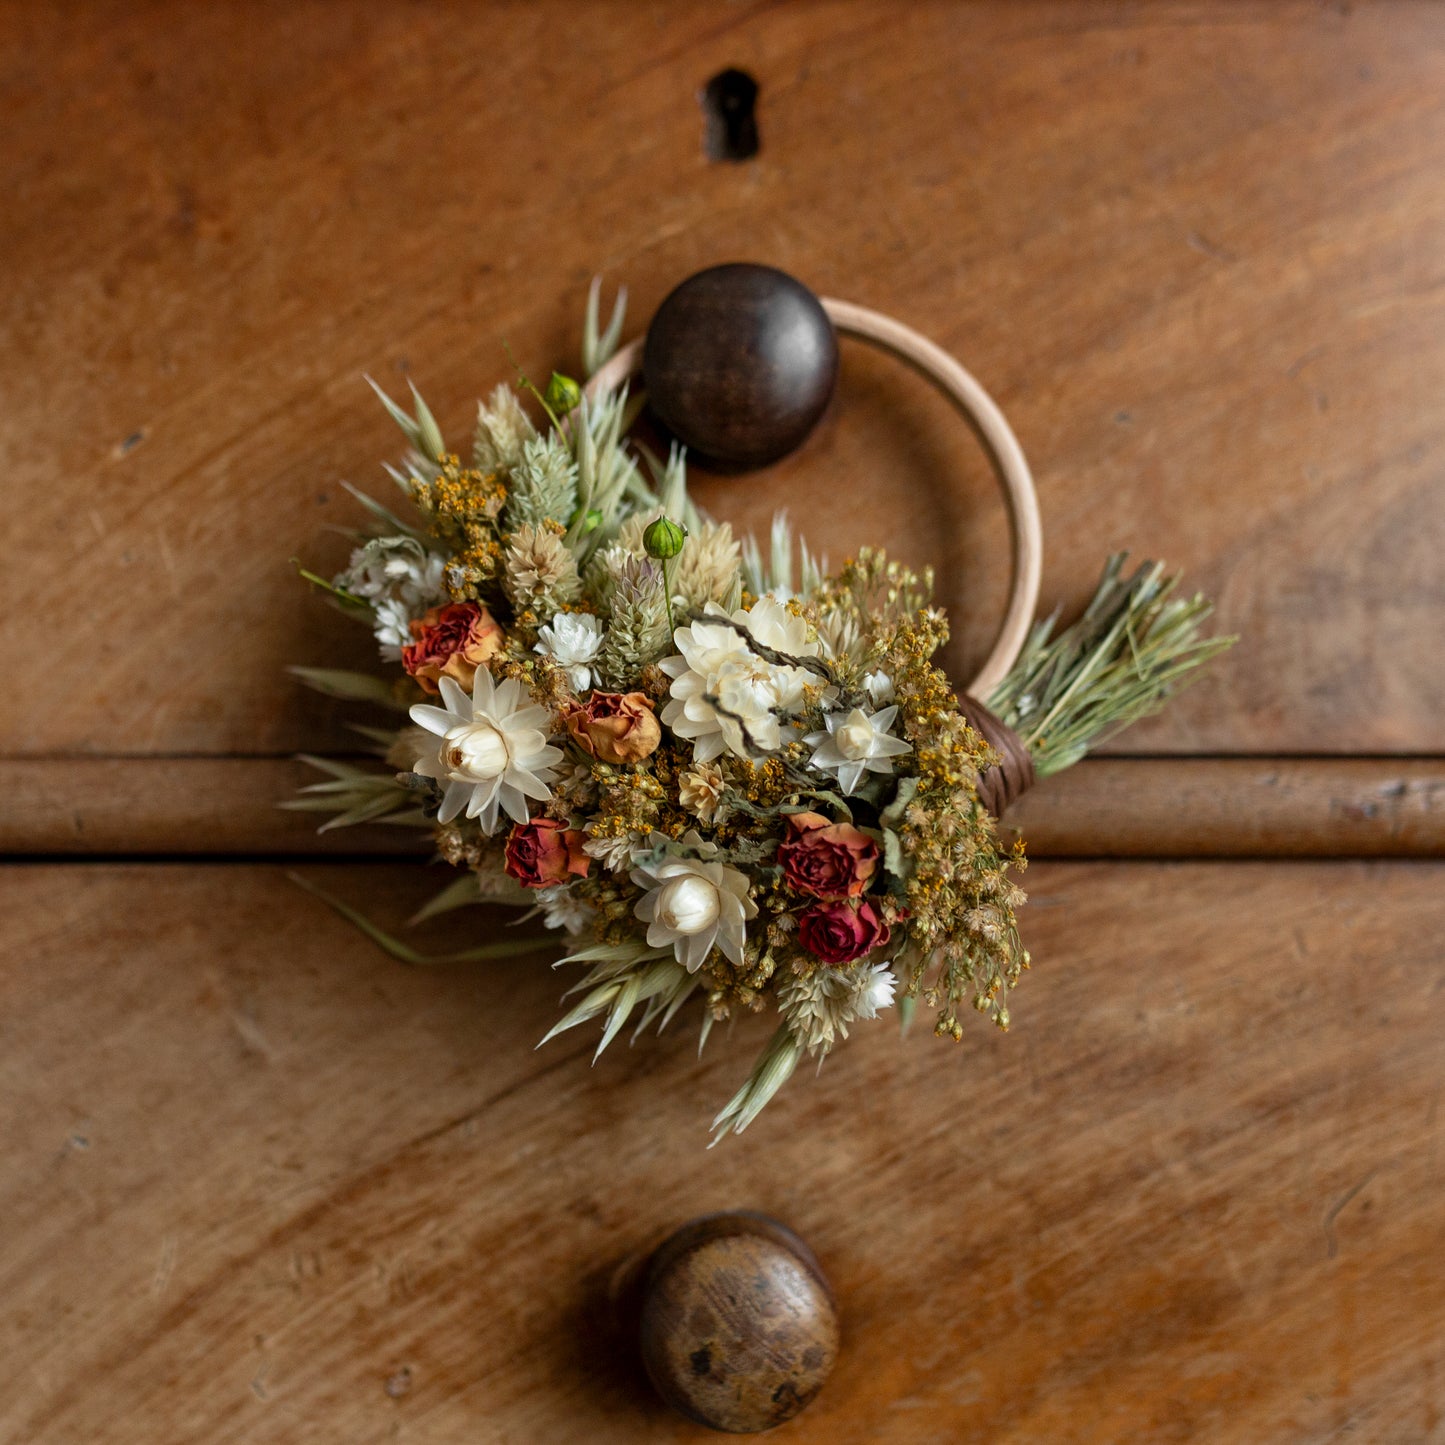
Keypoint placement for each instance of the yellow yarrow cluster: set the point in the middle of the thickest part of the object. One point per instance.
(961, 924)
(463, 504)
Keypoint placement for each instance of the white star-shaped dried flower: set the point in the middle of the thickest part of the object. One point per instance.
(855, 743)
(493, 753)
(692, 904)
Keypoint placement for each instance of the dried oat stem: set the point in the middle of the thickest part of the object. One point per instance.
(1135, 645)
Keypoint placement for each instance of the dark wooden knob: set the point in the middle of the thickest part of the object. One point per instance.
(738, 1326)
(739, 363)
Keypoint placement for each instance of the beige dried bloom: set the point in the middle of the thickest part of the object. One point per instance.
(541, 571)
(700, 791)
(503, 430)
(629, 534)
(576, 787)
(819, 1006)
(708, 567)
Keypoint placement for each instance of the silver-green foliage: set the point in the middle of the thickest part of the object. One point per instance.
(353, 794)
(543, 485)
(637, 630)
(599, 348)
(776, 573)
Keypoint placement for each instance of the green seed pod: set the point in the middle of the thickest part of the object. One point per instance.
(664, 539)
(562, 393)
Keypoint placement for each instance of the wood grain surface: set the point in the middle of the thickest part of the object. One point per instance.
(263, 1184)
(1196, 251)
(259, 1183)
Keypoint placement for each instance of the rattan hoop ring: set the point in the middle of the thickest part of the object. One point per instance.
(995, 435)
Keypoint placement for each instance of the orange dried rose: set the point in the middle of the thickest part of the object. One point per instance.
(452, 641)
(615, 727)
(828, 860)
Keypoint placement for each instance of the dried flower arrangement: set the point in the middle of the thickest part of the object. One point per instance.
(721, 774)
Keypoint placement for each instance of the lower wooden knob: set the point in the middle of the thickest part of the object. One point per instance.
(738, 1327)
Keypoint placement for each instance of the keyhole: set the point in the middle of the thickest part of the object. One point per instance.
(728, 102)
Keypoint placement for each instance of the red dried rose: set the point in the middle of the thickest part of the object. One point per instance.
(617, 727)
(544, 852)
(452, 641)
(838, 932)
(828, 860)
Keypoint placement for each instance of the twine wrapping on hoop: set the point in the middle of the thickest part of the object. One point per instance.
(1008, 780)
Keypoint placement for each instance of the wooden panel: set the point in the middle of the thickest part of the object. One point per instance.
(261, 1184)
(1197, 252)
(1237, 808)
(1105, 808)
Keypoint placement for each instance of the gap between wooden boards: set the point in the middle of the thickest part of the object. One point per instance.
(1104, 808)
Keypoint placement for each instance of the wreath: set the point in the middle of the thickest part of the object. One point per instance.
(732, 779)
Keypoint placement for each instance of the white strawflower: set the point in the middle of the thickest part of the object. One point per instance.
(493, 751)
(714, 661)
(855, 743)
(819, 1007)
(775, 626)
(692, 903)
(562, 908)
(572, 640)
(873, 989)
